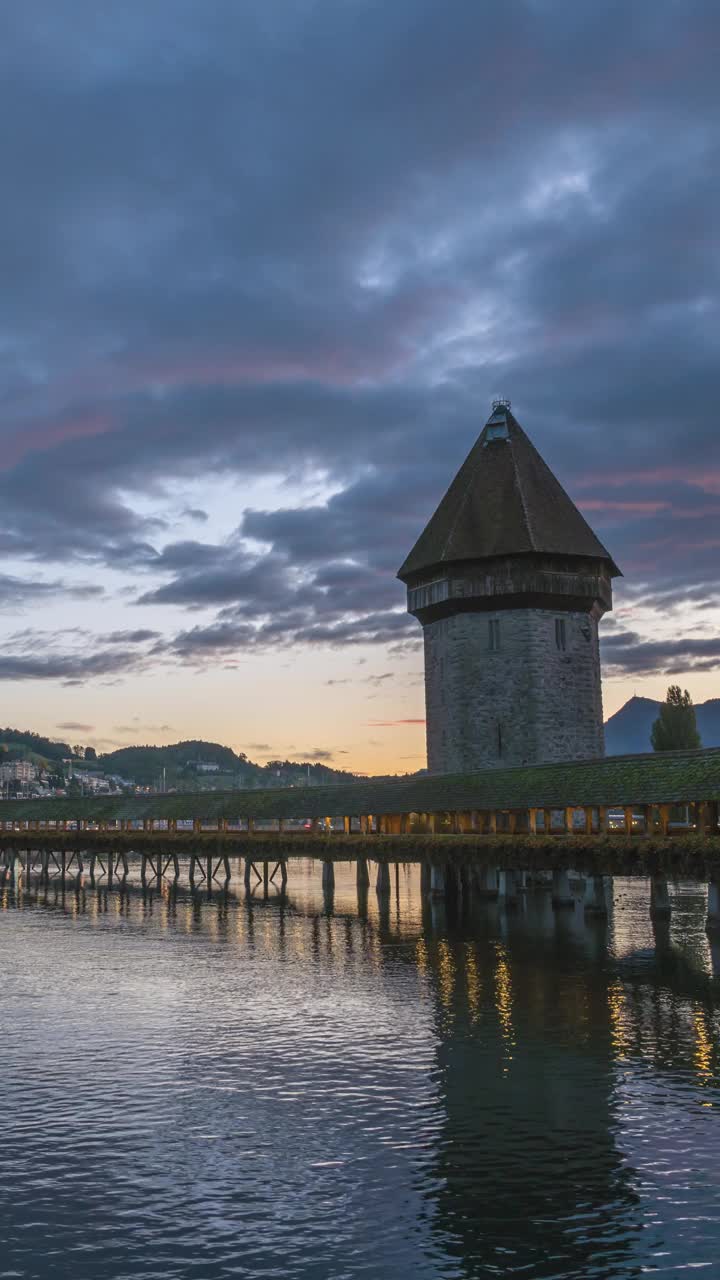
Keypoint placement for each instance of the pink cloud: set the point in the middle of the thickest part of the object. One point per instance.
(704, 478)
(391, 724)
(648, 507)
(48, 435)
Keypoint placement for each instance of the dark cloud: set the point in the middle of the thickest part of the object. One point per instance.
(67, 668)
(628, 653)
(138, 636)
(315, 239)
(72, 724)
(18, 591)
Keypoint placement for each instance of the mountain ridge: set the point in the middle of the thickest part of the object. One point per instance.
(627, 732)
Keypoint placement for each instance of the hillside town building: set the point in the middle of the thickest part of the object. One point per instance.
(509, 582)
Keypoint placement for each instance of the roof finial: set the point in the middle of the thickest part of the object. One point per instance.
(501, 402)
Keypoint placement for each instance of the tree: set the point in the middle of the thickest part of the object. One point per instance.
(90, 753)
(676, 728)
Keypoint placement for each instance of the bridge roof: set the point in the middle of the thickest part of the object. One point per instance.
(663, 778)
(504, 501)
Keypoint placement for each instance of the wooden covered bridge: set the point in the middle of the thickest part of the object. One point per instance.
(641, 792)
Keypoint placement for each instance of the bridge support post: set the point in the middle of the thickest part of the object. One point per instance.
(595, 899)
(707, 818)
(328, 886)
(382, 884)
(514, 887)
(424, 878)
(561, 895)
(659, 897)
(485, 883)
(713, 911)
(437, 881)
(362, 874)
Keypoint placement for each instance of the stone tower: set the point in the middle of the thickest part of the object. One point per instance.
(509, 583)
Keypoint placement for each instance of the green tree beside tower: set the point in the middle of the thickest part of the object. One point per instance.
(676, 727)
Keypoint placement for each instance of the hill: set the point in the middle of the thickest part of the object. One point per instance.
(628, 731)
(194, 763)
(23, 744)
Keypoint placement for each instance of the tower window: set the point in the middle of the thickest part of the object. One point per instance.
(499, 739)
(560, 636)
(432, 593)
(494, 633)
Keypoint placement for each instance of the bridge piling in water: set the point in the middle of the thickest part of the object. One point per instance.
(713, 907)
(382, 883)
(486, 883)
(561, 893)
(595, 897)
(437, 881)
(659, 897)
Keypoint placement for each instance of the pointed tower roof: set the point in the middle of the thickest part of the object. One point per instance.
(504, 501)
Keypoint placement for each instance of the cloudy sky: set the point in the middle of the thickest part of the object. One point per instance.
(264, 266)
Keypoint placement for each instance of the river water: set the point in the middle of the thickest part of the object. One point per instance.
(337, 1087)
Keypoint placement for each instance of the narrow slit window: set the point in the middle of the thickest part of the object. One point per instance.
(499, 739)
(494, 634)
(560, 636)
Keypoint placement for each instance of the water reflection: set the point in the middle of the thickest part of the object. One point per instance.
(338, 1078)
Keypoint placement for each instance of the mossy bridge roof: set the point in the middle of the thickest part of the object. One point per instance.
(665, 778)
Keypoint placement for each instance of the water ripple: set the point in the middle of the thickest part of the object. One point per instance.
(199, 1087)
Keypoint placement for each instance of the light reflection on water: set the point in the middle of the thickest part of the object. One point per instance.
(346, 1085)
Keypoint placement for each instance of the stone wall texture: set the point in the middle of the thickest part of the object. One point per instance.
(524, 702)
